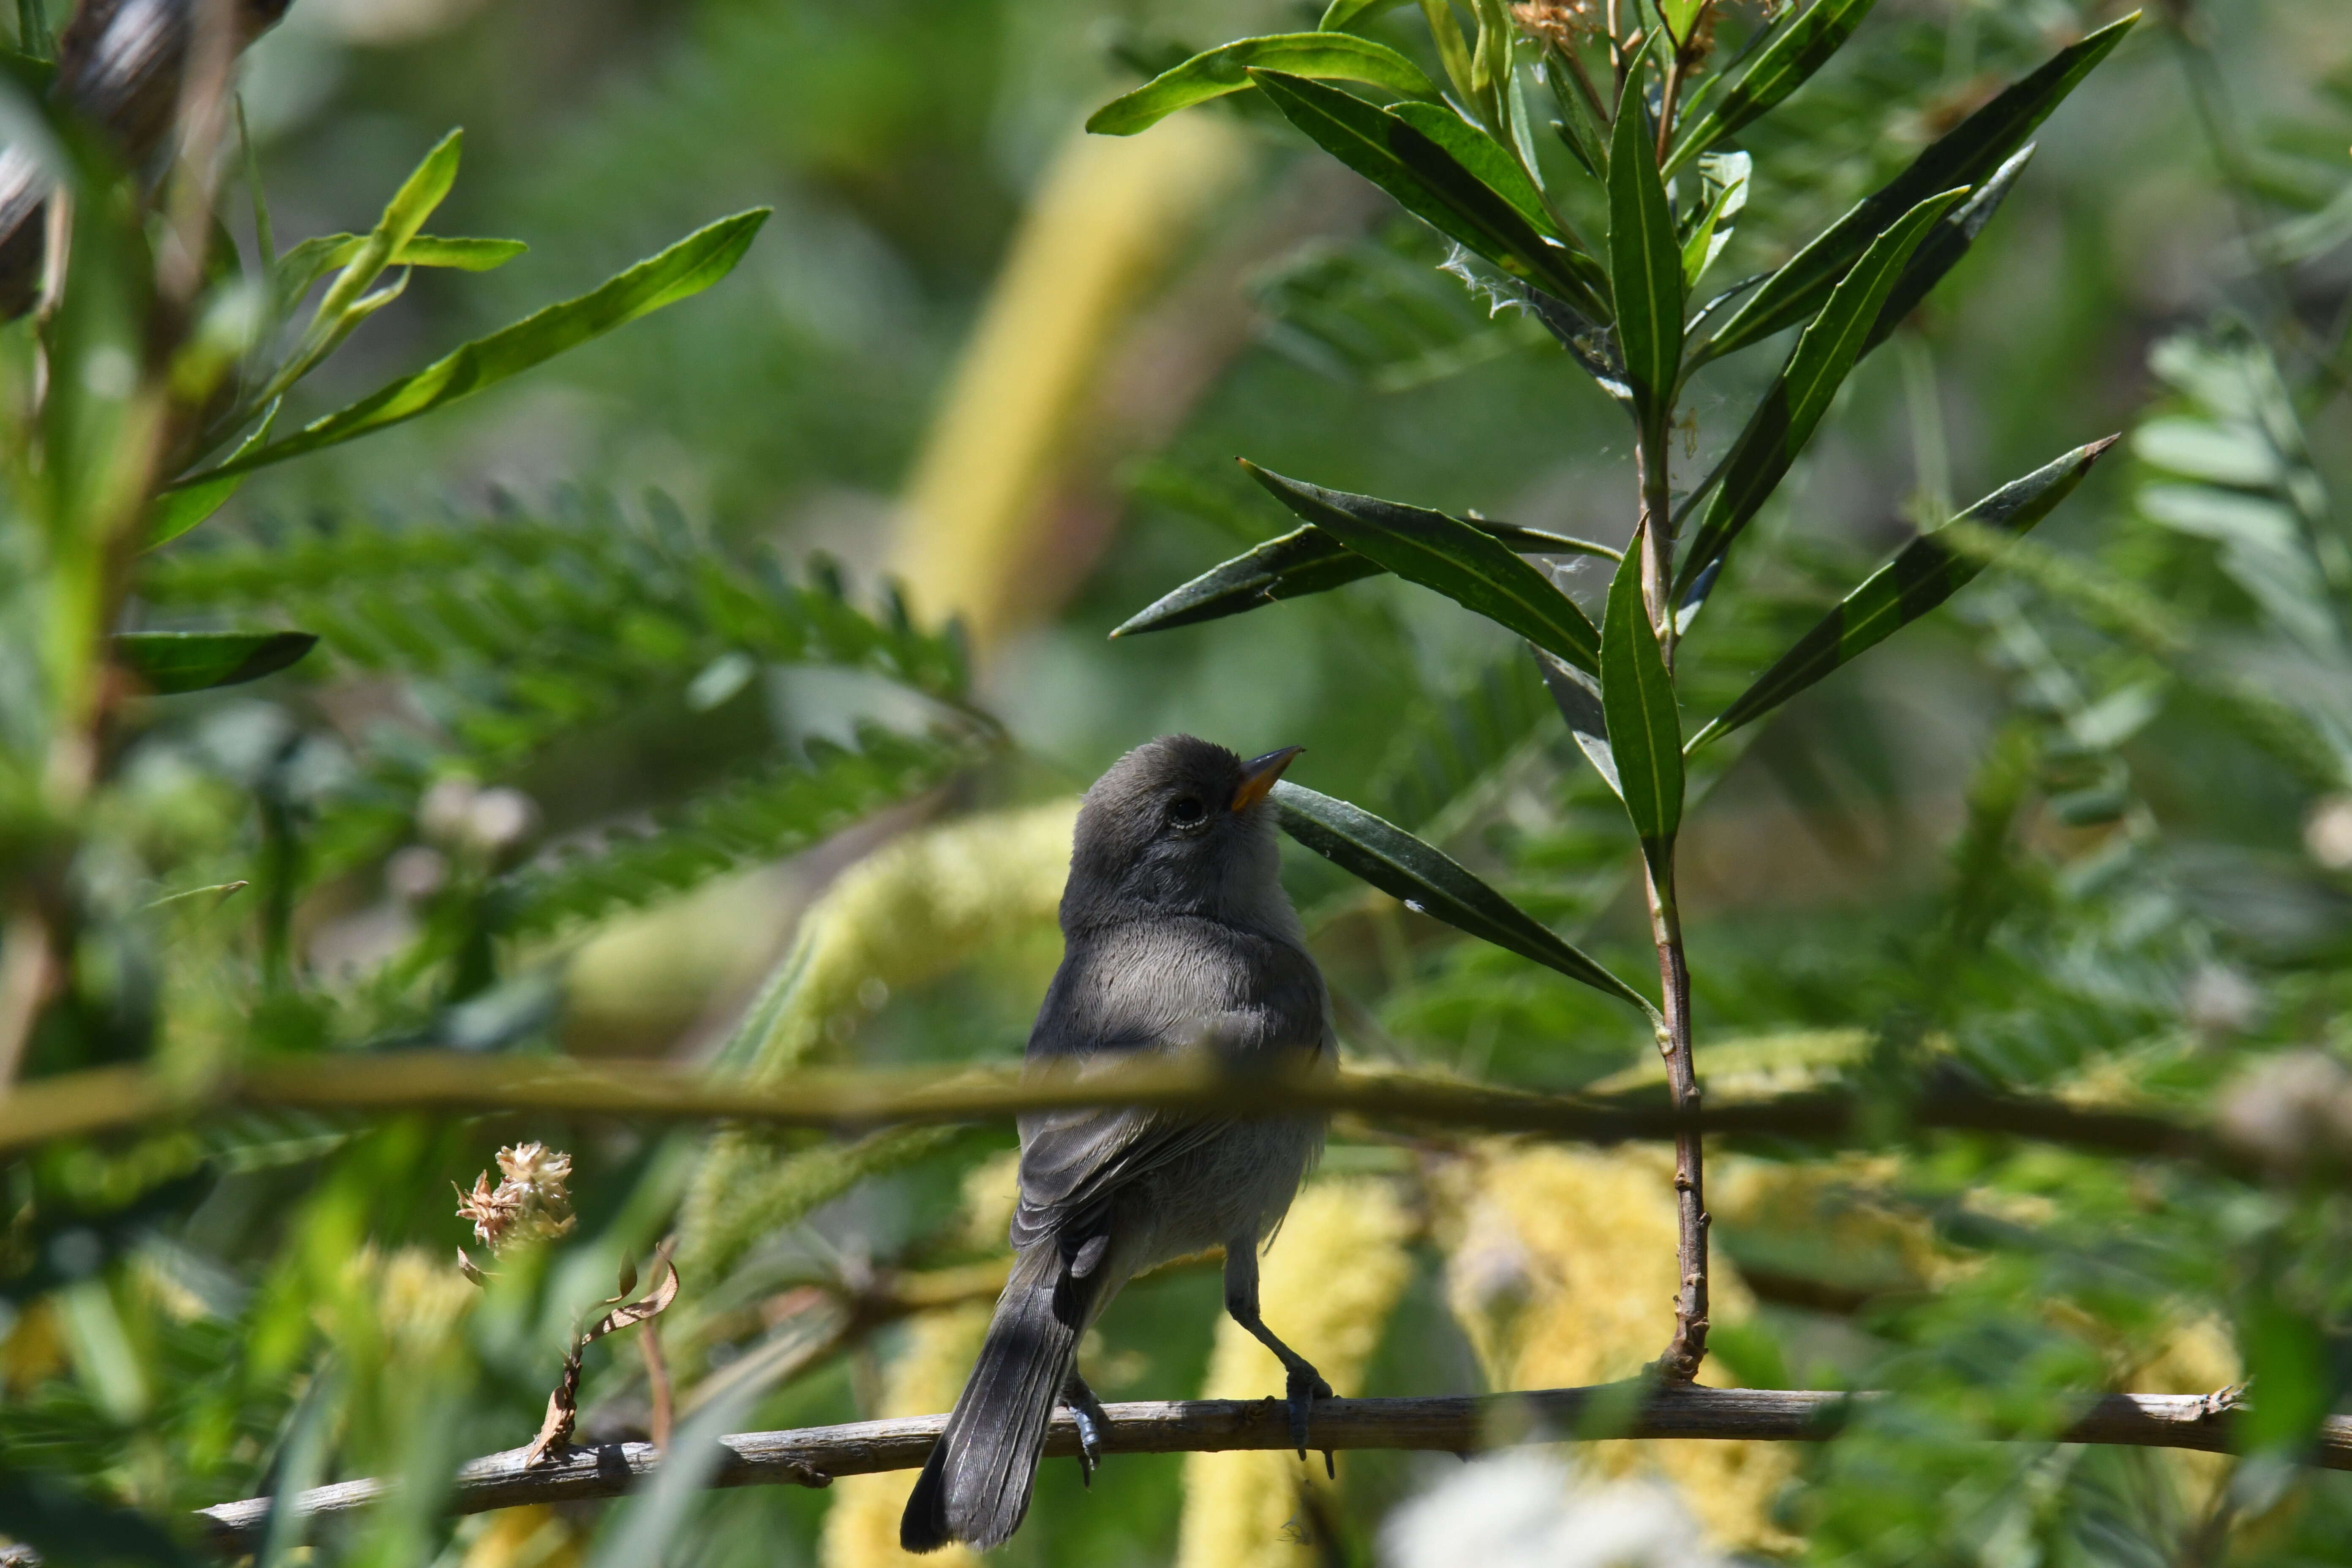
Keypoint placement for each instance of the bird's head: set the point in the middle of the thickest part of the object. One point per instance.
(1180, 825)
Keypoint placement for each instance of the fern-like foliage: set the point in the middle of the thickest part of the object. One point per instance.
(528, 626)
(773, 813)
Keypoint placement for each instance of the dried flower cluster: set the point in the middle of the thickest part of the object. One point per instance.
(1563, 24)
(528, 1204)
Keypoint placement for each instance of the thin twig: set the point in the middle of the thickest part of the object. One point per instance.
(1455, 1424)
(116, 1100)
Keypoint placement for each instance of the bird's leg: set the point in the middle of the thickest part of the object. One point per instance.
(1304, 1384)
(1087, 1412)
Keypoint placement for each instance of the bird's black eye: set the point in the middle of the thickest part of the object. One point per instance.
(1186, 813)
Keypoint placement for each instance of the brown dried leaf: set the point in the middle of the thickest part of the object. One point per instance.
(652, 1304)
(562, 1412)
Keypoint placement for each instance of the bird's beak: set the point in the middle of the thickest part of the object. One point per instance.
(1258, 775)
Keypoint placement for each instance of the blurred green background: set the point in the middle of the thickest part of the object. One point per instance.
(1013, 366)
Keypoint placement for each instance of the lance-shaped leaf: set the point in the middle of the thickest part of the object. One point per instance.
(312, 259)
(1646, 263)
(1487, 160)
(1476, 571)
(1926, 571)
(1330, 54)
(685, 269)
(1645, 732)
(1309, 561)
(1779, 71)
(1578, 697)
(1343, 14)
(176, 512)
(1793, 405)
(1432, 184)
(171, 662)
(1430, 880)
(1967, 154)
(1945, 245)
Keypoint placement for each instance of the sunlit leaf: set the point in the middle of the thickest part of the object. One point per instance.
(1431, 881)
(402, 218)
(1473, 569)
(1645, 737)
(1324, 55)
(1432, 184)
(1310, 560)
(170, 662)
(312, 259)
(1780, 70)
(1792, 406)
(685, 269)
(1929, 571)
(1712, 232)
(1966, 155)
(1645, 265)
(1488, 161)
(1341, 14)
(176, 512)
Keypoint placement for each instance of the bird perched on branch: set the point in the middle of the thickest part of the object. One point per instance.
(1178, 938)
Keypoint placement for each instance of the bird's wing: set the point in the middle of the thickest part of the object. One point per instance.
(1073, 1160)
(1142, 995)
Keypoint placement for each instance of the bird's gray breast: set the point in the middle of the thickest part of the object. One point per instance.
(1174, 1184)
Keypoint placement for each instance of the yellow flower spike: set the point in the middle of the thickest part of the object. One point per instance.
(861, 1527)
(535, 1536)
(1329, 1284)
(906, 915)
(1561, 1272)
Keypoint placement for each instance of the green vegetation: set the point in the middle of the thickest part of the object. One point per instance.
(537, 702)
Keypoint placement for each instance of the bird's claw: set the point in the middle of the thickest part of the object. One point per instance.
(1087, 1414)
(1305, 1386)
(1090, 1446)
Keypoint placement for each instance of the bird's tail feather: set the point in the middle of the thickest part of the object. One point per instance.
(975, 1485)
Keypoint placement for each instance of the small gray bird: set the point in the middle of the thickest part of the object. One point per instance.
(1178, 935)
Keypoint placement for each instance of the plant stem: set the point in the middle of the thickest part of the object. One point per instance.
(1680, 1364)
(1667, 95)
(1688, 1350)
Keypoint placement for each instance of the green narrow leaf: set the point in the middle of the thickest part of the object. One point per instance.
(1341, 14)
(1323, 55)
(403, 218)
(1793, 405)
(1645, 265)
(170, 662)
(1967, 154)
(685, 269)
(1578, 697)
(1474, 569)
(300, 268)
(1926, 571)
(1432, 184)
(1678, 16)
(1310, 560)
(176, 512)
(1645, 737)
(1487, 160)
(1431, 881)
(1779, 71)
(1700, 248)
(1942, 249)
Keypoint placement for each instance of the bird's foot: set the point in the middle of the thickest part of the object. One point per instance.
(1305, 1386)
(1087, 1410)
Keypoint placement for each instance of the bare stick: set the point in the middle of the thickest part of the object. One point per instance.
(813, 1456)
(113, 1100)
